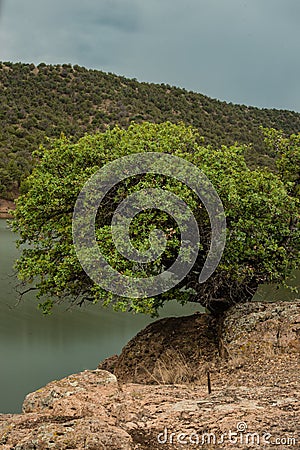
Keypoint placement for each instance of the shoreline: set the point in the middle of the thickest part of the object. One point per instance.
(253, 376)
(5, 207)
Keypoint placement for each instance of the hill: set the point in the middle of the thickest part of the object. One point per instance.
(46, 100)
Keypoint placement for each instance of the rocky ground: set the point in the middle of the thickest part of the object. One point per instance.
(161, 400)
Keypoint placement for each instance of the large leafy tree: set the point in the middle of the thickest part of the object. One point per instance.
(262, 215)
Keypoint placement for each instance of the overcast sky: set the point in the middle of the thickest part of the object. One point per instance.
(243, 51)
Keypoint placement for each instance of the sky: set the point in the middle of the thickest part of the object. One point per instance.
(241, 51)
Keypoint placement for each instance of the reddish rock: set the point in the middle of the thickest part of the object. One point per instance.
(109, 364)
(175, 349)
(253, 398)
(253, 329)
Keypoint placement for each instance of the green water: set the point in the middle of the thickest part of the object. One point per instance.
(35, 349)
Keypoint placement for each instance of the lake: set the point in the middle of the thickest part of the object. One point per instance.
(35, 349)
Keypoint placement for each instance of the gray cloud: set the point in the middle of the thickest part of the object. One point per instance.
(240, 51)
(120, 15)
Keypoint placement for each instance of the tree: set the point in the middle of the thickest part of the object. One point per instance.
(286, 151)
(262, 216)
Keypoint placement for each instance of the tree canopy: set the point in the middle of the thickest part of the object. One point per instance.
(261, 208)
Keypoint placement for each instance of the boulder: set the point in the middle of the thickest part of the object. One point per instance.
(170, 350)
(255, 389)
(254, 329)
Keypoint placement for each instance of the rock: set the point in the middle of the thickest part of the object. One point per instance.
(170, 350)
(181, 349)
(69, 395)
(109, 363)
(259, 394)
(255, 329)
(45, 432)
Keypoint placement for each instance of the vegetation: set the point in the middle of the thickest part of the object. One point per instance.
(46, 100)
(262, 212)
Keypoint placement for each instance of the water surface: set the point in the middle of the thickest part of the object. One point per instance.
(35, 349)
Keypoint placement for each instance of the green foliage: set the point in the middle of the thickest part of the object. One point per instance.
(262, 213)
(42, 101)
(286, 151)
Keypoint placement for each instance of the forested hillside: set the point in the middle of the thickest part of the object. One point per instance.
(46, 100)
